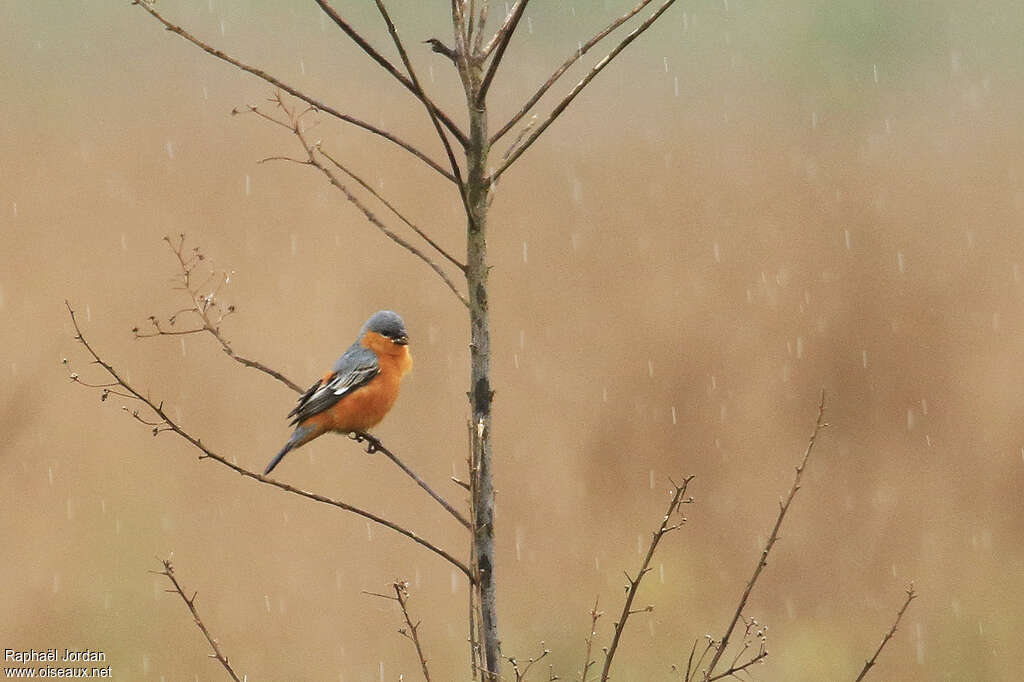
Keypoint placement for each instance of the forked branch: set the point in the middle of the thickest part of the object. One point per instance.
(190, 602)
(567, 100)
(573, 58)
(911, 595)
(165, 423)
(206, 310)
(290, 89)
(390, 68)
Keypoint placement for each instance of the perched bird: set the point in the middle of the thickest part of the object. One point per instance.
(363, 385)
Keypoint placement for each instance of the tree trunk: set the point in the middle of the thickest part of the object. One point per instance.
(480, 394)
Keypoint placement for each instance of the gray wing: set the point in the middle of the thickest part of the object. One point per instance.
(353, 369)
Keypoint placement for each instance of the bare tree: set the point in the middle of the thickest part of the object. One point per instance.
(473, 166)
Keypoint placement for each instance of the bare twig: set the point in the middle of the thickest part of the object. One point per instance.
(539, 130)
(911, 595)
(762, 559)
(203, 304)
(173, 28)
(573, 58)
(390, 207)
(666, 527)
(587, 662)
(190, 602)
(503, 38)
(521, 672)
(418, 90)
(313, 153)
(171, 425)
(390, 68)
(374, 445)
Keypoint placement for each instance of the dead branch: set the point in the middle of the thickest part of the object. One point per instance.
(521, 672)
(169, 424)
(173, 28)
(587, 662)
(633, 585)
(911, 595)
(539, 130)
(762, 559)
(168, 572)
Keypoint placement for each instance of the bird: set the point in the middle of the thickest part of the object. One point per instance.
(359, 390)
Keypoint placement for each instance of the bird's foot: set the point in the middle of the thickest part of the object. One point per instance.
(372, 443)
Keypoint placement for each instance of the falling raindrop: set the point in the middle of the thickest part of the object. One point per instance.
(70, 511)
(302, 66)
(525, 259)
(920, 645)
(650, 478)
(522, 339)
(573, 240)
(661, 573)
(529, 25)
(248, 185)
(454, 580)
(799, 347)
(864, 358)
(170, 149)
(874, 68)
(14, 208)
(519, 542)
(266, 602)
(222, 29)
(182, 339)
(846, 238)
(673, 414)
(675, 85)
(722, 412)
(814, 120)
(717, 252)
(49, 470)
(597, 564)
(995, 321)
(295, 244)
(604, 394)
(650, 368)
(665, 61)
(56, 582)
(515, 360)
(910, 419)
(899, 262)
(206, 93)
(369, 532)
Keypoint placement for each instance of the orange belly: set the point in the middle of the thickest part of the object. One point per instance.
(363, 409)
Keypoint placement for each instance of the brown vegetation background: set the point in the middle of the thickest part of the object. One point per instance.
(752, 204)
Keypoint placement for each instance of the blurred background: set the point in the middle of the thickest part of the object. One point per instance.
(751, 204)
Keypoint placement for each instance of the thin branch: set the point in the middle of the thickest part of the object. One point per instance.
(521, 673)
(208, 453)
(478, 40)
(312, 149)
(202, 305)
(587, 662)
(173, 28)
(371, 190)
(579, 88)
(762, 559)
(168, 572)
(411, 630)
(634, 583)
(374, 445)
(419, 92)
(390, 68)
(911, 595)
(573, 58)
(503, 38)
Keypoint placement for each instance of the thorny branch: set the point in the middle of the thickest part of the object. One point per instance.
(911, 595)
(173, 28)
(667, 526)
(567, 100)
(190, 602)
(166, 423)
(313, 154)
(762, 560)
(207, 309)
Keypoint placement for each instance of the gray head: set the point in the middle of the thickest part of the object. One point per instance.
(388, 324)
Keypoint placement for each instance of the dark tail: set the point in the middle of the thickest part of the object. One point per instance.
(277, 459)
